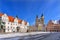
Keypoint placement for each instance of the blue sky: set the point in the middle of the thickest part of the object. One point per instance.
(28, 9)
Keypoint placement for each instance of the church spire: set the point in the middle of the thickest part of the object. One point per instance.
(36, 16)
(42, 19)
(42, 15)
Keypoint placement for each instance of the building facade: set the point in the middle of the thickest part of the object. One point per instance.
(40, 23)
(11, 24)
(53, 26)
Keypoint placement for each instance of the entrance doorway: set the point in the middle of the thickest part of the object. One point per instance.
(18, 28)
(2, 28)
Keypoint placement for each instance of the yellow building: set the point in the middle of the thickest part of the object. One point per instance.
(40, 28)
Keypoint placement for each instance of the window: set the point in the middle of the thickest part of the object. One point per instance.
(3, 22)
(11, 27)
(0, 18)
(1, 26)
(8, 29)
(16, 24)
(11, 23)
(8, 22)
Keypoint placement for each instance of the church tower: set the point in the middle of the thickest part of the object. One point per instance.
(42, 19)
(40, 23)
(36, 22)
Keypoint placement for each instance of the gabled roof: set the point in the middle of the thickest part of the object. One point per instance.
(19, 21)
(11, 19)
(55, 21)
(1, 14)
(25, 23)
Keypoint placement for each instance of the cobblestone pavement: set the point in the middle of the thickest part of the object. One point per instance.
(51, 36)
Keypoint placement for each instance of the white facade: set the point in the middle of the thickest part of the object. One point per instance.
(12, 26)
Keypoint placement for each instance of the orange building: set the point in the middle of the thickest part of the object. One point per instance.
(53, 26)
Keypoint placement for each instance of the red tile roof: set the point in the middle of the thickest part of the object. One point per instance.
(19, 21)
(11, 19)
(25, 23)
(1, 14)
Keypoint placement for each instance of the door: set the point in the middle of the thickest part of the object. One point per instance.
(18, 29)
